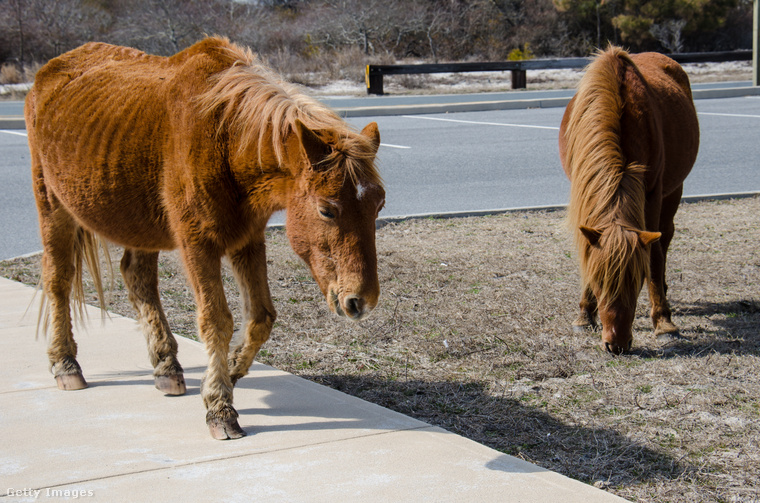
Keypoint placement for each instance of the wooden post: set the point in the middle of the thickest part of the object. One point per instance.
(756, 43)
(374, 81)
(520, 78)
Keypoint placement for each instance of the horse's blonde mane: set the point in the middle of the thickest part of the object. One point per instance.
(259, 108)
(607, 192)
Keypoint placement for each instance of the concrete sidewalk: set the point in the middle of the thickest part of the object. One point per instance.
(122, 440)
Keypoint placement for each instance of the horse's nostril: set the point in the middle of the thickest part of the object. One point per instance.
(613, 348)
(354, 306)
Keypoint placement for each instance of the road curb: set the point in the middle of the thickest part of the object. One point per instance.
(444, 108)
(381, 222)
(12, 122)
(516, 104)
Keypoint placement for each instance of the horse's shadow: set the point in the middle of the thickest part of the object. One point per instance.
(128, 378)
(744, 307)
(586, 453)
(731, 327)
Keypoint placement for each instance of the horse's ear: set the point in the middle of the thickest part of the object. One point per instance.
(316, 150)
(372, 132)
(593, 235)
(646, 237)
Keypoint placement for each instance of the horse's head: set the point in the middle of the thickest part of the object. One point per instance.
(331, 215)
(616, 266)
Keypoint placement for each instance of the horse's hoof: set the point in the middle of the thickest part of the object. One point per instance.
(581, 329)
(224, 429)
(666, 337)
(584, 328)
(666, 332)
(70, 382)
(171, 384)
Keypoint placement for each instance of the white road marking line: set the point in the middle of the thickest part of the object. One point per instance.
(479, 122)
(393, 146)
(12, 132)
(729, 115)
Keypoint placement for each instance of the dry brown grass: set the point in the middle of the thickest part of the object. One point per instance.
(10, 74)
(473, 334)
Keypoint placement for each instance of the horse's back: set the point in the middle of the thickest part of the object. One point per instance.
(667, 97)
(115, 68)
(101, 120)
(97, 90)
(95, 116)
(96, 82)
(664, 75)
(644, 102)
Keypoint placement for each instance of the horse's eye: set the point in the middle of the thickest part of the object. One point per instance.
(327, 213)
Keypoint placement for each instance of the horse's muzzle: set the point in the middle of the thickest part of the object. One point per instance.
(615, 342)
(616, 349)
(352, 307)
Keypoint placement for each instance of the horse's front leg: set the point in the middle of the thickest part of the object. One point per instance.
(250, 267)
(661, 314)
(215, 327)
(586, 320)
(664, 328)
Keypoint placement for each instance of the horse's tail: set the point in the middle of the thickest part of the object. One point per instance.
(86, 254)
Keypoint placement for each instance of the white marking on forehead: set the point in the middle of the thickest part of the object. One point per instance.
(363, 188)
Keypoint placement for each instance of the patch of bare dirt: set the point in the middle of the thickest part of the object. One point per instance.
(473, 334)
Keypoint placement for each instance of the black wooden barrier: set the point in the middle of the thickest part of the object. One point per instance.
(374, 73)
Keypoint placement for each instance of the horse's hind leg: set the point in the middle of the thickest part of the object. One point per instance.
(658, 288)
(249, 265)
(140, 272)
(58, 232)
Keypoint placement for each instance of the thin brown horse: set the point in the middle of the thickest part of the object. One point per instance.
(628, 139)
(195, 152)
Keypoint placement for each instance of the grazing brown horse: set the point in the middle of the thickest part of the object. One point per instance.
(195, 152)
(628, 139)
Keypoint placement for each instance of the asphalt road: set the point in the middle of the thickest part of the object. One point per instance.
(460, 162)
(19, 232)
(507, 159)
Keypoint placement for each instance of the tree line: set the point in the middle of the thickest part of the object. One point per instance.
(312, 33)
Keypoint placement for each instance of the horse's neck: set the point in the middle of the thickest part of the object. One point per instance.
(265, 179)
